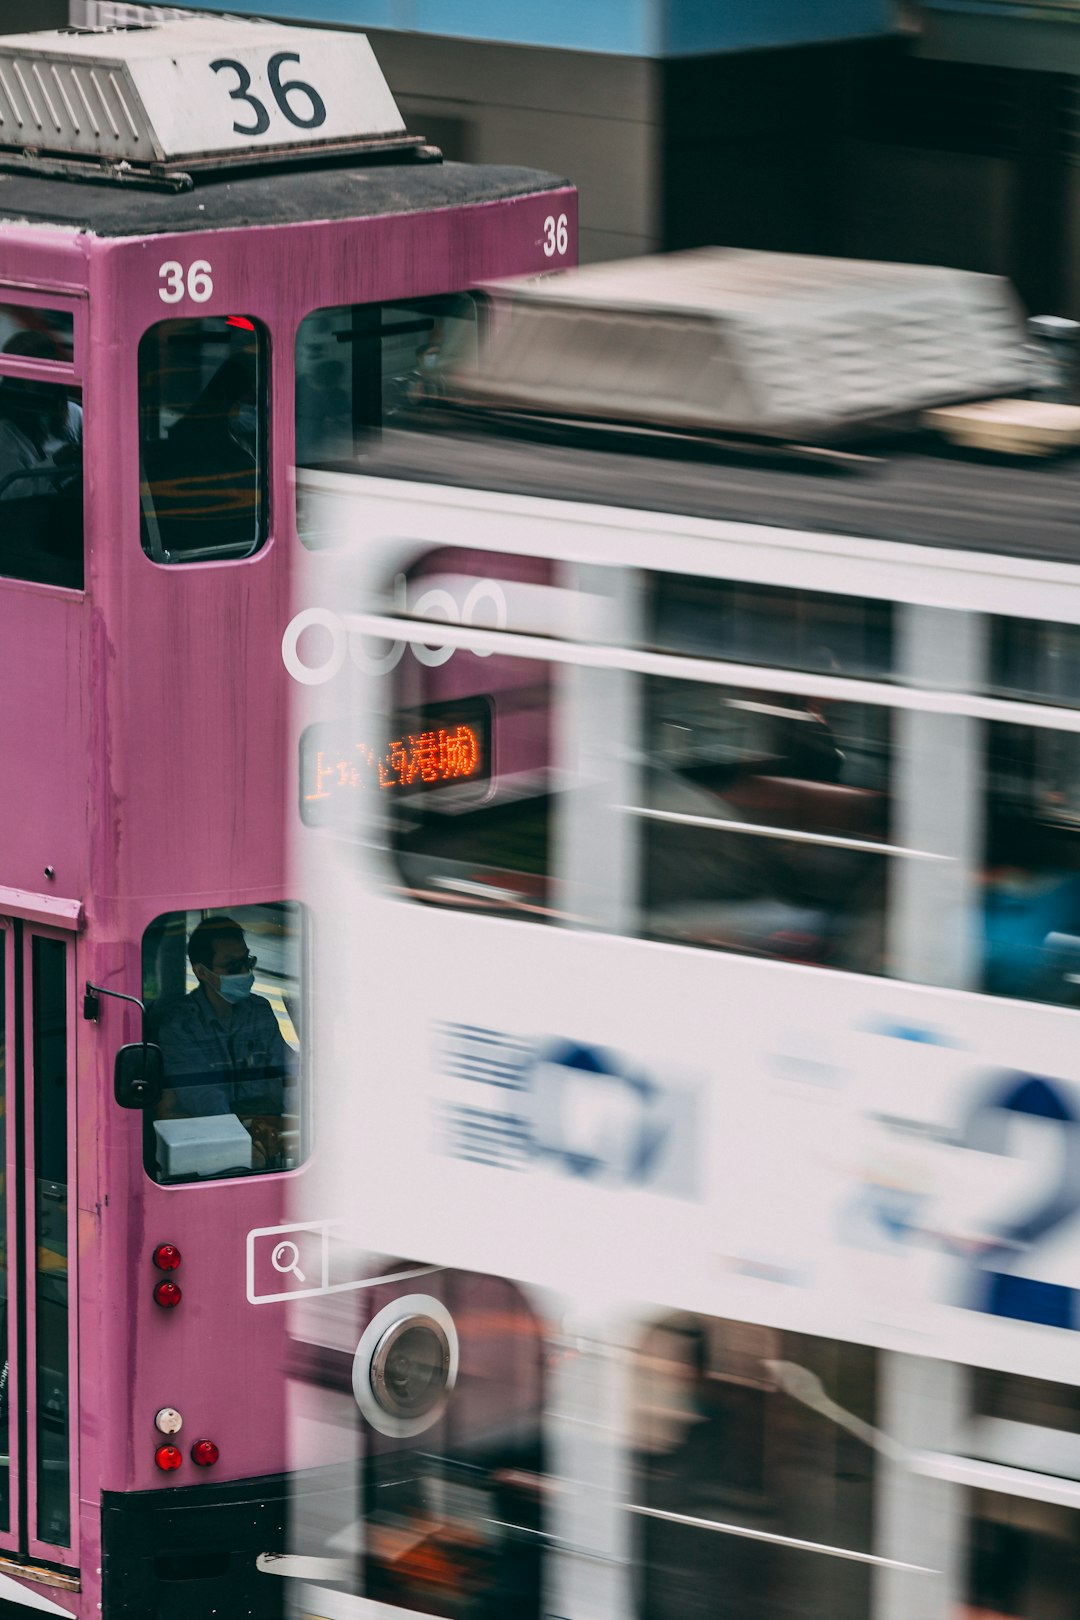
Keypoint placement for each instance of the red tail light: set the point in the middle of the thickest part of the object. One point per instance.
(205, 1453)
(167, 1257)
(168, 1457)
(167, 1294)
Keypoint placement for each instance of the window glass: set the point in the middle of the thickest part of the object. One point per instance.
(203, 392)
(463, 772)
(362, 367)
(41, 431)
(1032, 878)
(1032, 659)
(223, 996)
(735, 1427)
(40, 334)
(1023, 1558)
(771, 625)
(762, 813)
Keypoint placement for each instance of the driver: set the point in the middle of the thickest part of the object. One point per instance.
(224, 1052)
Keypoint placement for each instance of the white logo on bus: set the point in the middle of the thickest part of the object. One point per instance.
(436, 602)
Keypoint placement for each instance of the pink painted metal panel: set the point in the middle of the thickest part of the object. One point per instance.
(9, 1538)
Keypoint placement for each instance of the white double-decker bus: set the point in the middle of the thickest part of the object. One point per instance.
(696, 968)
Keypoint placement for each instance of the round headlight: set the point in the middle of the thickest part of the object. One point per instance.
(406, 1365)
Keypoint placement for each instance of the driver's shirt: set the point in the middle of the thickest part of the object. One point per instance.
(239, 1065)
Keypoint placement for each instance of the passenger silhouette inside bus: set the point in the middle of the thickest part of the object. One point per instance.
(223, 1048)
(40, 470)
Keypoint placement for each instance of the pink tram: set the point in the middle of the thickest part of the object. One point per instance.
(177, 204)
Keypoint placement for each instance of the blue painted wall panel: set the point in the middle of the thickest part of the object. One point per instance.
(695, 27)
(616, 27)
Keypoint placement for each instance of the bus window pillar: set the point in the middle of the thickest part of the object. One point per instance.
(597, 857)
(934, 936)
(590, 1572)
(920, 1521)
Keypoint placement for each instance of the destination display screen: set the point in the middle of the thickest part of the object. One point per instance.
(421, 752)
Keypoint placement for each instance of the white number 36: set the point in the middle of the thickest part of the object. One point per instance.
(555, 235)
(200, 284)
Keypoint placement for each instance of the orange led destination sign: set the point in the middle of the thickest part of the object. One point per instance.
(443, 745)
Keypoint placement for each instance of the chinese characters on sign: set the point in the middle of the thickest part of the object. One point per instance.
(447, 744)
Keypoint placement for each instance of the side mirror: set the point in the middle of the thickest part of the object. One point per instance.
(138, 1075)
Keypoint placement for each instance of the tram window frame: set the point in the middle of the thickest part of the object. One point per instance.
(206, 422)
(165, 945)
(49, 548)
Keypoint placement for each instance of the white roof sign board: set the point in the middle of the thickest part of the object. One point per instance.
(188, 88)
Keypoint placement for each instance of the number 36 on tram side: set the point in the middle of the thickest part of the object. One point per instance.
(212, 234)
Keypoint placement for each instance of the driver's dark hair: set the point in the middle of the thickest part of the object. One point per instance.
(205, 936)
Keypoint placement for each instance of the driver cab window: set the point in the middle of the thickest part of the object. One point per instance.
(41, 421)
(222, 992)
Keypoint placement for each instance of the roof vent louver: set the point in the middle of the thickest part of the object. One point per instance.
(196, 94)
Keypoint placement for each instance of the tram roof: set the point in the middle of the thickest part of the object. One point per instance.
(913, 492)
(286, 197)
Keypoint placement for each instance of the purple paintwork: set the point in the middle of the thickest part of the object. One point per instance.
(149, 761)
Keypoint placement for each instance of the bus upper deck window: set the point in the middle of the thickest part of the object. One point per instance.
(203, 391)
(41, 485)
(222, 991)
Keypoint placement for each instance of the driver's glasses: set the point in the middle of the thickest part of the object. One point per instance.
(238, 964)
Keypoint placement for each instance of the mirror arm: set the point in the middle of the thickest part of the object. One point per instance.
(92, 1007)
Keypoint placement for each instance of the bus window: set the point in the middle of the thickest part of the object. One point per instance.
(203, 392)
(41, 484)
(1031, 910)
(362, 367)
(222, 990)
(750, 1499)
(1032, 659)
(762, 812)
(770, 625)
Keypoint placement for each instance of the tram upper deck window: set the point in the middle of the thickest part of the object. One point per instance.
(1030, 658)
(764, 814)
(771, 625)
(203, 391)
(41, 484)
(222, 991)
(361, 367)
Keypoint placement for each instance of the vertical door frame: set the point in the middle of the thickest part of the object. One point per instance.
(37, 1548)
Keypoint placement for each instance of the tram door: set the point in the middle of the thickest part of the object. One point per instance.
(37, 1325)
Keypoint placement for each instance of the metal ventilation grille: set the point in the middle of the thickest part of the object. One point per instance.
(199, 88)
(72, 106)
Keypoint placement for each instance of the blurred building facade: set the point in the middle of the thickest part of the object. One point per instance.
(942, 131)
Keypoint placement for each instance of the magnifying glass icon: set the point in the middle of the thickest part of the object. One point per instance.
(286, 1260)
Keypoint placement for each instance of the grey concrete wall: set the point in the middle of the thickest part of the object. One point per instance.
(24, 16)
(594, 119)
